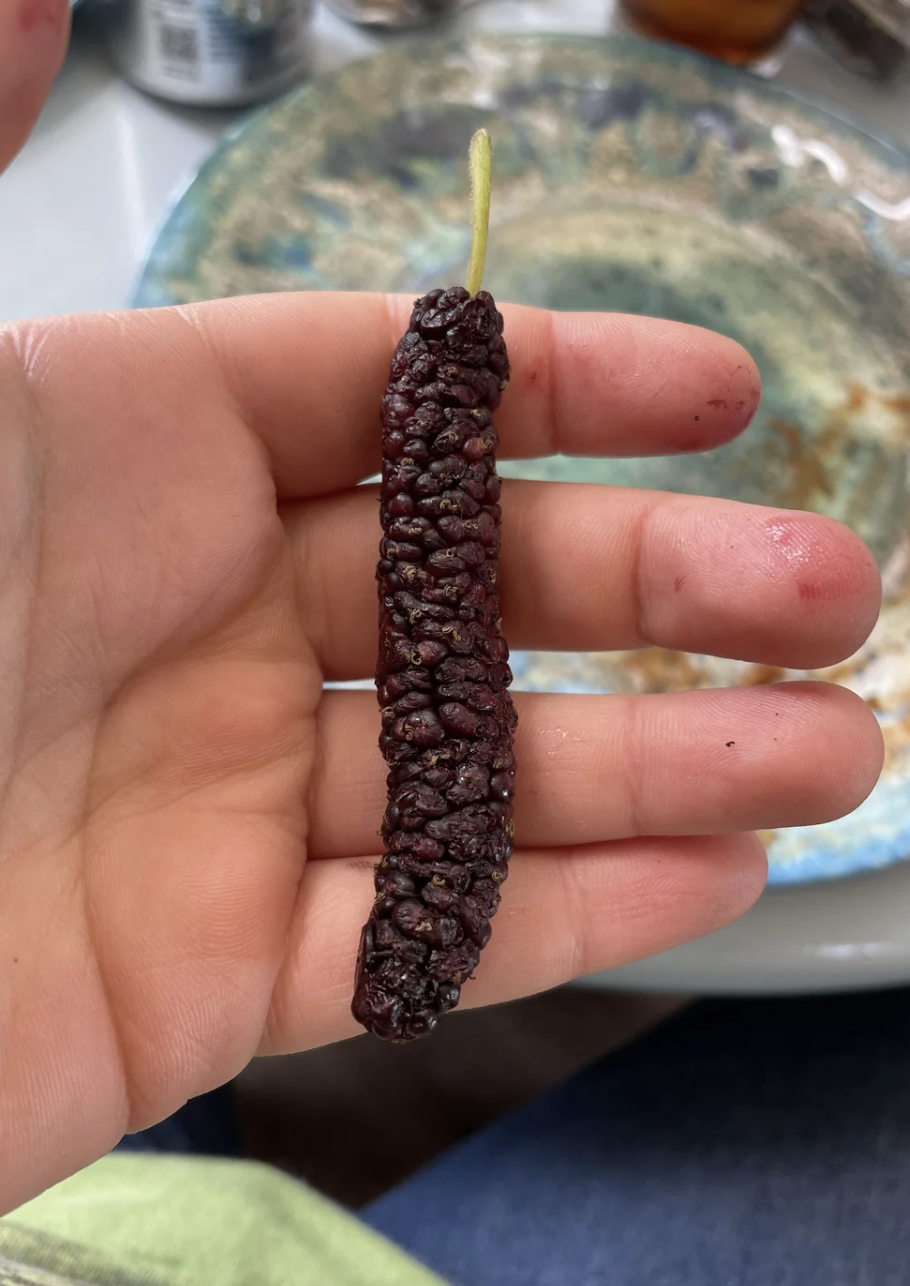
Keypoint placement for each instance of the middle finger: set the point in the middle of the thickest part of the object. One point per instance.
(594, 568)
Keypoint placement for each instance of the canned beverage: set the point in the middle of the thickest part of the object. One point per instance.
(211, 53)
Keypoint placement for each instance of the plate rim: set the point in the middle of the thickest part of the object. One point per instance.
(824, 936)
(643, 49)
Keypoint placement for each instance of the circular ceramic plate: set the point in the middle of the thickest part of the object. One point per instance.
(840, 935)
(638, 178)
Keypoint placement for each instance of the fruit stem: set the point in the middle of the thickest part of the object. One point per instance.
(480, 160)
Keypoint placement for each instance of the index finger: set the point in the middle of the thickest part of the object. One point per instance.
(308, 371)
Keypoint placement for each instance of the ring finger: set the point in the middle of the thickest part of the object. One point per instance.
(616, 569)
(595, 769)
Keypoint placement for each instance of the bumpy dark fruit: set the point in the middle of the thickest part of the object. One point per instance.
(442, 674)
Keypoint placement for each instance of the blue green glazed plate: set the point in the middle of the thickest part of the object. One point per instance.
(637, 178)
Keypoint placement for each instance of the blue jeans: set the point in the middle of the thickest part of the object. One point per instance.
(748, 1143)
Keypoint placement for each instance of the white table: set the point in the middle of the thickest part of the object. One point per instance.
(78, 210)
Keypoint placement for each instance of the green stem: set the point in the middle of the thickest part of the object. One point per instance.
(480, 161)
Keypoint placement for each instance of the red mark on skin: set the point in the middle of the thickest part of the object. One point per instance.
(41, 13)
(734, 414)
(678, 583)
(789, 536)
(817, 568)
(743, 410)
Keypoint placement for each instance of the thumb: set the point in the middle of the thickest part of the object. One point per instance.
(33, 37)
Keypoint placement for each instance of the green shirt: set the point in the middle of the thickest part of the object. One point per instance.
(155, 1220)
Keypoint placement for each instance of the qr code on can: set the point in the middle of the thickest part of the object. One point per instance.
(179, 44)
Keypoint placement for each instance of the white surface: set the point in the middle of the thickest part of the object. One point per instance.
(78, 210)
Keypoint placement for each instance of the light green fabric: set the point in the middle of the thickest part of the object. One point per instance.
(147, 1220)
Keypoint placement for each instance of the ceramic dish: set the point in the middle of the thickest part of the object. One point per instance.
(640, 178)
(840, 935)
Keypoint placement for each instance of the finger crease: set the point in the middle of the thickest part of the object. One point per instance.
(631, 759)
(577, 963)
(552, 392)
(640, 535)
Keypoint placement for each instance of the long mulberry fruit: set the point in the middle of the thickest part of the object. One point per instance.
(443, 673)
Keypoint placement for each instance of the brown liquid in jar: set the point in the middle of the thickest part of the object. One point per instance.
(739, 31)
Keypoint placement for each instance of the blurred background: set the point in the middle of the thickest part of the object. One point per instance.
(112, 158)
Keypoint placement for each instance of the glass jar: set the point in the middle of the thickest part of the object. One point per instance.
(739, 31)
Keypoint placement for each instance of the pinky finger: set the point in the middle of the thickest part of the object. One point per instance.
(565, 913)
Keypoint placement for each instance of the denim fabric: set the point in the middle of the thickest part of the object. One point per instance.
(758, 1143)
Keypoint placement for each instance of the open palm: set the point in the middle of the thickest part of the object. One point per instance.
(188, 820)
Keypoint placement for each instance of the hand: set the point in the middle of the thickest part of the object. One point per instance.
(184, 557)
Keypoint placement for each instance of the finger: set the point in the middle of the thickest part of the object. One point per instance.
(563, 915)
(617, 568)
(33, 36)
(308, 371)
(605, 768)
